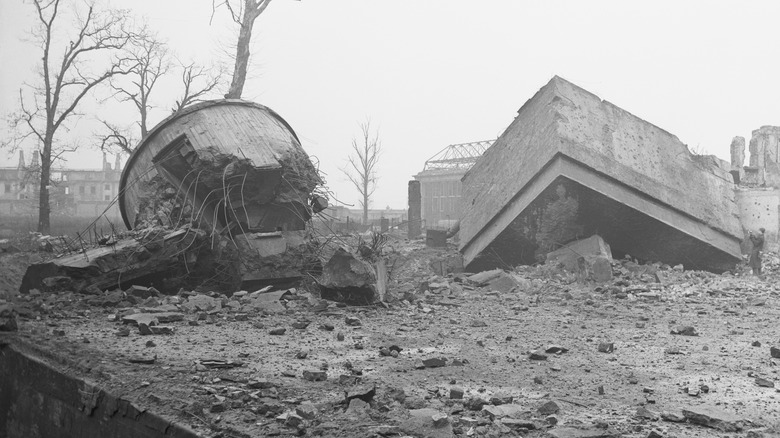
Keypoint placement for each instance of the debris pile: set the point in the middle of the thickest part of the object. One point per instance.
(530, 350)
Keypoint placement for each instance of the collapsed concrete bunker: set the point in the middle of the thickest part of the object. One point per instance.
(238, 164)
(572, 165)
(217, 196)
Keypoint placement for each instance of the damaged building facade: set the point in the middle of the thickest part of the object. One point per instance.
(439, 182)
(572, 165)
(77, 196)
(758, 183)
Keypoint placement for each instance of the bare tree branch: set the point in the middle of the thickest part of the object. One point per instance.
(150, 60)
(198, 81)
(115, 137)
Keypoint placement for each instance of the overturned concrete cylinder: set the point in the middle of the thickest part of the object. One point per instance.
(571, 165)
(225, 164)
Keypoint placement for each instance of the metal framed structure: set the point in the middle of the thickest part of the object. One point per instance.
(458, 156)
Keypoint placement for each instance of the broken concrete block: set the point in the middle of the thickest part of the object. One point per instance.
(314, 375)
(548, 408)
(434, 362)
(347, 278)
(153, 318)
(142, 292)
(606, 347)
(162, 330)
(161, 254)
(568, 256)
(428, 422)
(365, 393)
(583, 432)
(714, 418)
(267, 302)
(279, 258)
(684, 330)
(501, 411)
(202, 303)
(482, 278)
(571, 164)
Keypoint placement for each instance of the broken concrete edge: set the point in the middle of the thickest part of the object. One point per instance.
(168, 120)
(348, 275)
(87, 405)
(102, 268)
(568, 167)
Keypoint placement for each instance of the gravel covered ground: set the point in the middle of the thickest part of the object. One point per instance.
(540, 355)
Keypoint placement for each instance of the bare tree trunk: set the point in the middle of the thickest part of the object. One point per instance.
(44, 208)
(144, 129)
(365, 201)
(242, 61)
(251, 10)
(362, 167)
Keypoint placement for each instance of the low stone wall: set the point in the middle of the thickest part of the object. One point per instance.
(38, 401)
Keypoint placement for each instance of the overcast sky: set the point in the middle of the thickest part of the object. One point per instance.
(437, 72)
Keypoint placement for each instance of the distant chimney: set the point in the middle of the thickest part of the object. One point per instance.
(34, 161)
(118, 162)
(106, 166)
(21, 160)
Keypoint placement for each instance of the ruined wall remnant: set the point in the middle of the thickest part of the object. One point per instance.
(738, 152)
(738, 158)
(415, 210)
(236, 165)
(627, 180)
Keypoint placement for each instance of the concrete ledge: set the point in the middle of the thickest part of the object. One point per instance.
(39, 400)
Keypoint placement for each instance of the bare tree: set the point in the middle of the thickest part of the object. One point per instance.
(65, 80)
(151, 60)
(244, 13)
(362, 166)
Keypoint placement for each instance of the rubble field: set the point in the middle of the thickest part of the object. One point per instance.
(657, 351)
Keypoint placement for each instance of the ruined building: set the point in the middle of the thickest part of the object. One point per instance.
(440, 186)
(77, 196)
(758, 183)
(572, 165)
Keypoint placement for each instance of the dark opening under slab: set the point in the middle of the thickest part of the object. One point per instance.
(567, 210)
